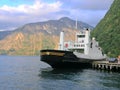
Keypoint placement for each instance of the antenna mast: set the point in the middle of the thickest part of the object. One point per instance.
(76, 24)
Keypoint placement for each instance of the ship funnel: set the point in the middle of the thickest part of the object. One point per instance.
(87, 36)
(61, 44)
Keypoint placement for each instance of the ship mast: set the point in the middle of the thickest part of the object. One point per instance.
(76, 29)
(76, 24)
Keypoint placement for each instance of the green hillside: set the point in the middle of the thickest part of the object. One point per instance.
(107, 32)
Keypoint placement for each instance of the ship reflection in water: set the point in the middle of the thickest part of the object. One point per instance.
(78, 79)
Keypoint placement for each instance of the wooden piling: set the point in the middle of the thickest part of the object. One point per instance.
(106, 66)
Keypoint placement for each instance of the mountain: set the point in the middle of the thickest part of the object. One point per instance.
(30, 38)
(108, 30)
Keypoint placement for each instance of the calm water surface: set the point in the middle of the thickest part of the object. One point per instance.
(28, 73)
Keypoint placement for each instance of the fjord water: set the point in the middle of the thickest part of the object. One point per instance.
(29, 73)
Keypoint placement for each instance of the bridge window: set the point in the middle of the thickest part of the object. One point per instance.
(79, 36)
(82, 41)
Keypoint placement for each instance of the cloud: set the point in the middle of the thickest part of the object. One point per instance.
(88, 4)
(89, 11)
(24, 11)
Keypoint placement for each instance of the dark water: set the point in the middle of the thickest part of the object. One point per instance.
(28, 73)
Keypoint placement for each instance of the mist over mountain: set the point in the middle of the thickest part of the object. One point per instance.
(4, 34)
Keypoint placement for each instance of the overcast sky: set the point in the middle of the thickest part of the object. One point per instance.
(14, 13)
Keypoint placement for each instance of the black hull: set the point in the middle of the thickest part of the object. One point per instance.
(63, 59)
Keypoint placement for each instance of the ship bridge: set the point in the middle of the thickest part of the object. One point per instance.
(81, 42)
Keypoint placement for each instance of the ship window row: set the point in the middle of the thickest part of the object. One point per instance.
(82, 45)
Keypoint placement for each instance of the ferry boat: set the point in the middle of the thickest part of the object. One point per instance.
(80, 53)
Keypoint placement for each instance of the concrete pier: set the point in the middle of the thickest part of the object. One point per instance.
(106, 66)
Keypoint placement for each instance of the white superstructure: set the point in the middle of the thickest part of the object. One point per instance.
(83, 46)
